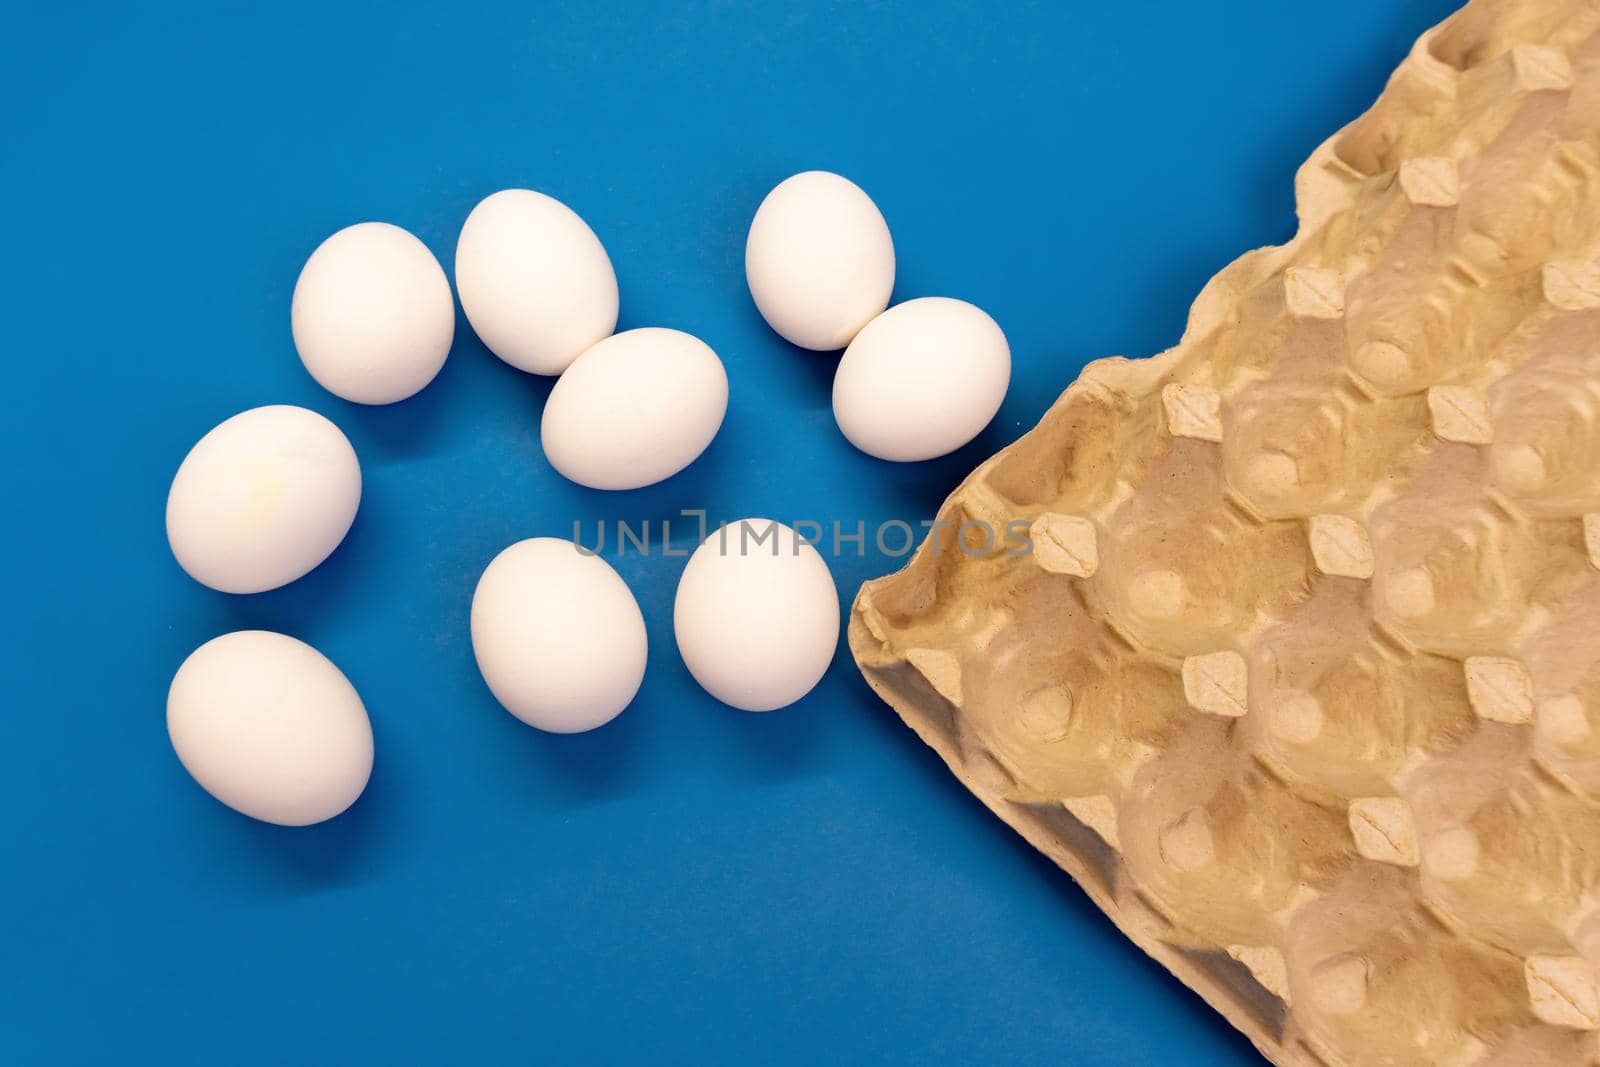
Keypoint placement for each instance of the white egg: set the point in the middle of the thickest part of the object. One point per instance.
(262, 499)
(634, 409)
(757, 615)
(267, 725)
(819, 260)
(921, 380)
(534, 280)
(558, 636)
(372, 314)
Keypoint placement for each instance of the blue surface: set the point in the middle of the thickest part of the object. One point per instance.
(689, 883)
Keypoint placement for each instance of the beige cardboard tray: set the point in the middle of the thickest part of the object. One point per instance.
(1301, 678)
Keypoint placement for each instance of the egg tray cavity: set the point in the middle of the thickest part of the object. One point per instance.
(1301, 680)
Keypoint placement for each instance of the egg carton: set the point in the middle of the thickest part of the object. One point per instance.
(1300, 679)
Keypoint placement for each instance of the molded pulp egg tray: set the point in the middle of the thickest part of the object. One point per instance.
(1301, 678)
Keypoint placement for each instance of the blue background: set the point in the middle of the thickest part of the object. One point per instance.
(689, 883)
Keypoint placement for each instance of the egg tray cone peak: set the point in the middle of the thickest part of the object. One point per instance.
(1301, 680)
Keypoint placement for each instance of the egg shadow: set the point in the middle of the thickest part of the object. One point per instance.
(780, 745)
(793, 741)
(313, 604)
(812, 371)
(353, 848)
(506, 378)
(450, 407)
(673, 501)
(413, 427)
(915, 491)
(562, 771)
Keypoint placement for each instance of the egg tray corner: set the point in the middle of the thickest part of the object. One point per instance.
(1301, 678)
